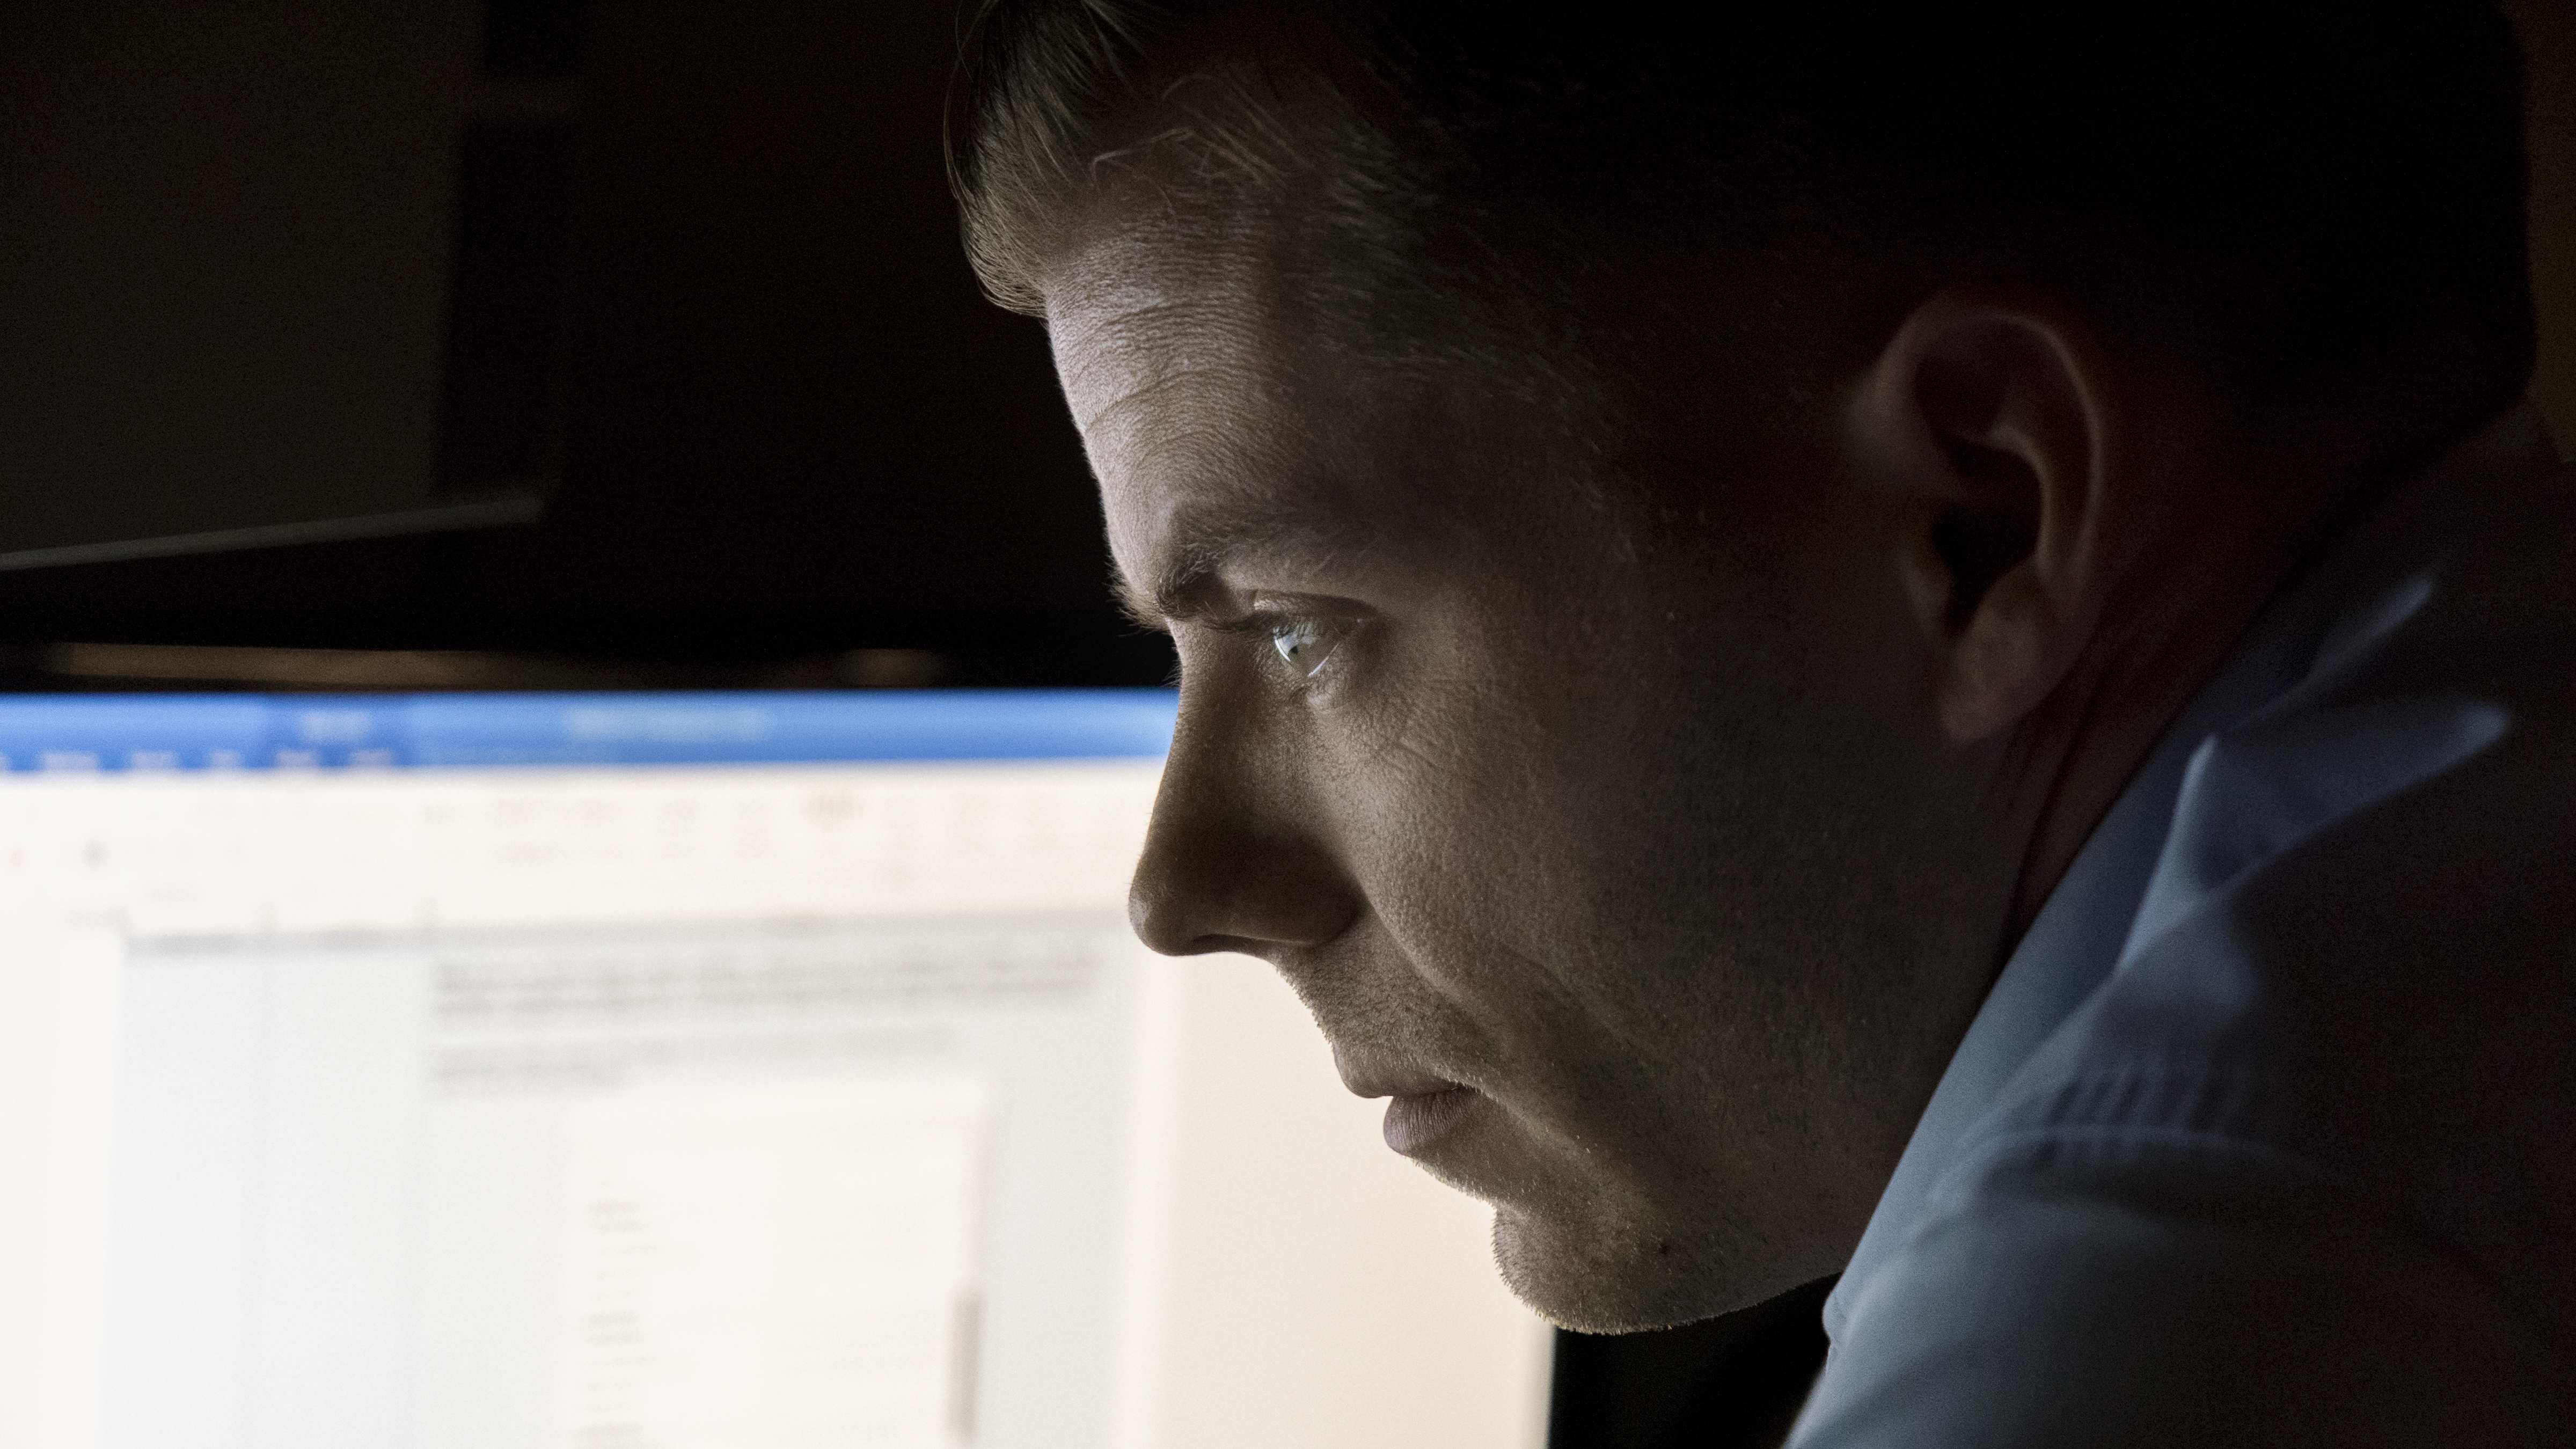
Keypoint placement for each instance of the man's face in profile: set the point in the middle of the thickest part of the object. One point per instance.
(1615, 848)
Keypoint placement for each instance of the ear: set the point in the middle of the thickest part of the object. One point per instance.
(1991, 418)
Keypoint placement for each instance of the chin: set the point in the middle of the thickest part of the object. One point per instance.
(1594, 1277)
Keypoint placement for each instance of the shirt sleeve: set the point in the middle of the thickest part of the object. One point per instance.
(2179, 1295)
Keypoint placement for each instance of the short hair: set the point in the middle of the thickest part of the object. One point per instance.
(2292, 194)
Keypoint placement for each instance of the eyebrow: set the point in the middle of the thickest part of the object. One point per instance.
(1156, 606)
(1201, 547)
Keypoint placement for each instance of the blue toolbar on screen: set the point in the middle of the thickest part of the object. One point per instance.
(226, 732)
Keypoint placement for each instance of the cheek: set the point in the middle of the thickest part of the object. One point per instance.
(1486, 751)
(1568, 831)
(1464, 802)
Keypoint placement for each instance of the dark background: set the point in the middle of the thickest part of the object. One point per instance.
(695, 285)
(444, 344)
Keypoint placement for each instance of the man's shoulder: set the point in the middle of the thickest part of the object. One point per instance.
(2177, 1293)
(2302, 1171)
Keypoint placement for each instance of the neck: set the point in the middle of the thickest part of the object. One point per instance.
(2124, 703)
(2234, 544)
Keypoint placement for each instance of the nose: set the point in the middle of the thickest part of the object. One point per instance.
(1236, 857)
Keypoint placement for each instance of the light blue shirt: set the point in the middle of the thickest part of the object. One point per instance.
(2266, 1132)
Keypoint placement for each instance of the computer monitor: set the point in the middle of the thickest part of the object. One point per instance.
(743, 1071)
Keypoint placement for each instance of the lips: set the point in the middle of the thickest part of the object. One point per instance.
(1420, 1109)
(1417, 1121)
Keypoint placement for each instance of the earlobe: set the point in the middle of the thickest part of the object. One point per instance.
(1984, 420)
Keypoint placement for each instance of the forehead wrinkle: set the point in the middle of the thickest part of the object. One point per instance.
(1234, 487)
(1167, 344)
(1128, 333)
(1138, 310)
(1172, 395)
(1144, 419)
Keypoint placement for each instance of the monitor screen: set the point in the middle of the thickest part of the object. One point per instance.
(611, 1071)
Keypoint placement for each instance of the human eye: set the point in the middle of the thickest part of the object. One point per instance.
(1304, 643)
